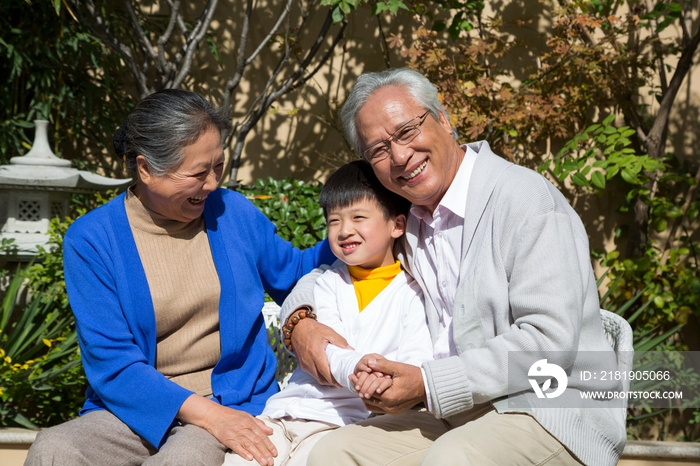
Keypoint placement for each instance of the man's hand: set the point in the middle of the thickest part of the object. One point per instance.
(237, 430)
(309, 341)
(406, 390)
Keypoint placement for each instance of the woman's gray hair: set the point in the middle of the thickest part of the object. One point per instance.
(162, 125)
(417, 85)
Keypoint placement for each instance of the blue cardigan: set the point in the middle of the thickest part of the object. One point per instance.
(111, 300)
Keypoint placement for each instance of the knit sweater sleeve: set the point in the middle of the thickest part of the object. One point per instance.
(531, 285)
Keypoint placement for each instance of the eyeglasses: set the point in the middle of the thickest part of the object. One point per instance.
(402, 136)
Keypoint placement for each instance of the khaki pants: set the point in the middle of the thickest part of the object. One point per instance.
(480, 437)
(99, 438)
(293, 438)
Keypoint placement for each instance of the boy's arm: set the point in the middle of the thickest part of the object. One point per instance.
(309, 338)
(342, 361)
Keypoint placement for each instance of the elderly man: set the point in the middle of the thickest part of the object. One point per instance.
(503, 261)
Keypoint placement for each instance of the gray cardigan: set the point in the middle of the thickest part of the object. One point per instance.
(525, 284)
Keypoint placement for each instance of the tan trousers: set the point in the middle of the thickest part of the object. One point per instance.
(99, 438)
(293, 438)
(481, 437)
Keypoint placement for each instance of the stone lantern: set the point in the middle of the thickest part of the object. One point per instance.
(36, 187)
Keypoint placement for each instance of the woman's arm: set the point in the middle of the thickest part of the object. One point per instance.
(114, 333)
(237, 430)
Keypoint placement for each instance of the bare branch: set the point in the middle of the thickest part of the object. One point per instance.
(243, 62)
(658, 51)
(382, 42)
(269, 95)
(146, 43)
(180, 22)
(689, 196)
(165, 37)
(655, 142)
(199, 32)
(233, 83)
(271, 34)
(102, 30)
(325, 58)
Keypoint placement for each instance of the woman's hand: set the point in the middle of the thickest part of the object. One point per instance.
(237, 430)
(309, 341)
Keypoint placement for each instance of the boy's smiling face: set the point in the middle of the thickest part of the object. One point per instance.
(360, 235)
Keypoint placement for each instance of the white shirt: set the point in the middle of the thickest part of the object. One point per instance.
(393, 324)
(439, 250)
(438, 254)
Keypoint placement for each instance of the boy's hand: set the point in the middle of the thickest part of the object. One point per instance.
(363, 364)
(367, 385)
(406, 390)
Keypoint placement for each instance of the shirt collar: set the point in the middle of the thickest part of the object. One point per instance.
(455, 199)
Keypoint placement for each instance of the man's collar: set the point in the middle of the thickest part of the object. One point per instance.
(455, 199)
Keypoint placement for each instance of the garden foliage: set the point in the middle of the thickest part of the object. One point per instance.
(584, 93)
(53, 68)
(292, 206)
(41, 378)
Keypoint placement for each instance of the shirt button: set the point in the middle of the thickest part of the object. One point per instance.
(444, 283)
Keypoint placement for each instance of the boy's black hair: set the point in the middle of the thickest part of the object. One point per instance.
(356, 181)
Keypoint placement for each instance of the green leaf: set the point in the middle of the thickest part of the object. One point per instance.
(674, 212)
(629, 176)
(612, 170)
(598, 179)
(660, 224)
(580, 180)
(337, 15)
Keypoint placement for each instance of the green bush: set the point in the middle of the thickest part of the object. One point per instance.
(292, 206)
(41, 380)
(41, 377)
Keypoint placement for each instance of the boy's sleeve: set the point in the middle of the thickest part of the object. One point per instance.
(342, 361)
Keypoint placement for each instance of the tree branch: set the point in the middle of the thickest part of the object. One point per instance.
(198, 34)
(165, 37)
(270, 95)
(689, 196)
(655, 142)
(102, 30)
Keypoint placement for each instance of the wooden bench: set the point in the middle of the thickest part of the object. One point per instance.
(14, 442)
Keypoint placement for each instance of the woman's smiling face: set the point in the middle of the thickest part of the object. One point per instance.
(181, 193)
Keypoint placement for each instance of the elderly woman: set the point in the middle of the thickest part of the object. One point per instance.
(166, 283)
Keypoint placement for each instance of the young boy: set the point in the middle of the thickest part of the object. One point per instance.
(368, 300)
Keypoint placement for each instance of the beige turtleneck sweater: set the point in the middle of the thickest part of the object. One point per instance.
(185, 290)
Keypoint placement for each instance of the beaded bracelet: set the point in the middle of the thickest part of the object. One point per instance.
(291, 322)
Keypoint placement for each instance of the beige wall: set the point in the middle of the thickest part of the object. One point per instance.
(300, 137)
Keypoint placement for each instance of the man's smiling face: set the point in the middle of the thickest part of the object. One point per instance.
(422, 170)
